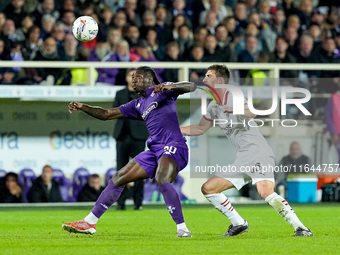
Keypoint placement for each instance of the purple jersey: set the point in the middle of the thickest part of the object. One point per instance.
(158, 110)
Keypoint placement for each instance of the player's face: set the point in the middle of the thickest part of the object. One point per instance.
(139, 82)
(210, 78)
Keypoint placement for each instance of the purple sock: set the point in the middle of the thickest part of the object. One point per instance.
(109, 195)
(173, 204)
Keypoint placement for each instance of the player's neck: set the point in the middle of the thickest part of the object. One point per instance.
(220, 92)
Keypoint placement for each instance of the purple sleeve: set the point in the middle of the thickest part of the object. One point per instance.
(129, 110)
(172, 93)
(329, 117)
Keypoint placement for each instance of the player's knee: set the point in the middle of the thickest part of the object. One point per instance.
(207, 189)
(265, 193)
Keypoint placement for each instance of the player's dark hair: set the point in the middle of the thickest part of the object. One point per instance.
(148, 71)
(221, 71)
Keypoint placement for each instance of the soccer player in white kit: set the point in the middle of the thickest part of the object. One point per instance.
(253, 156)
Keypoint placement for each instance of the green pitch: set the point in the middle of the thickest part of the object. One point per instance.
(151, 231)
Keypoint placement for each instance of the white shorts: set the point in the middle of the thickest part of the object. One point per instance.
(259, 170)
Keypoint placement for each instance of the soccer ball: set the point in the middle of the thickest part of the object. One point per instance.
(85, 28)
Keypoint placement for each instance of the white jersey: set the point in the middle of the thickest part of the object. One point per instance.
(249, 143)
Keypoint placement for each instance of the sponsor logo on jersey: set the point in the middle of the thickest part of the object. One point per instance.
(151, 107)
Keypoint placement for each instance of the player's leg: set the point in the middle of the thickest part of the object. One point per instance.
(165, 174)
(138, 189)
(123, 156)
(266, 191)
(131, 172)
(212, 189)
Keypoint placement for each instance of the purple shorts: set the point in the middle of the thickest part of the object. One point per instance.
(149, 159)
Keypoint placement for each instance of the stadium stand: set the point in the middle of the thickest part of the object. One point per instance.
(26, 178)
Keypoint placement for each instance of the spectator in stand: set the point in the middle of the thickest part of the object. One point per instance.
(264, 11)
(292, 38)
(216, 6)
(149, 21)
(278, 21)
(289, 8)
(250, 53)
(32, 43)
(122, 52)
(58, 33)
(157, 49)
(26, 23)
(177, 21)
(163, 25)
(46, 27)
(182, 7)
(305, 55)
(315, 32)
(326, 54)
(306, 9)
(133, 18)
(266, 35)
(318, 17)
(102, 53)
(15, 11)
(45, 7)
(105, 20)
(224, 45)
(200, 35)
(9, 33)
(92, 189)
(332, 18)
(294, 21)
(70, 46)
(211, 51)
(48, 52)
(113, 37)
(10, 190)
(172, 55)
(211, 22)
(240, 13)
(185, 40)
(230, 24)
(197, 55)
(114, 5)
(67, 19)
(132, 35)
(146, 6)
(119, 20)
(251, 5)
(44, 188)
(2, 20)
(281, 55)
(69, 5)
(337, 43)
(251, 30)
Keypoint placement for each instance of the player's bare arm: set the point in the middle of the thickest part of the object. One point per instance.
(182, 87)
(95, 111)
(197, 129)
(247, 112)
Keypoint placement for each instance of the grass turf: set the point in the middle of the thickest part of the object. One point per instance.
(151, 231)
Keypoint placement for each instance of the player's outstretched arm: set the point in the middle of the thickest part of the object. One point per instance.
(95, 111)
(182, 87)
(197, 129)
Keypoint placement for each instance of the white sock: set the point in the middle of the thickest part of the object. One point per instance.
(182, 226)
(222, 203)
(284, 209)
(91, 218)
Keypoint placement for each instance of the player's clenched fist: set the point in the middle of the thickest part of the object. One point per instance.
(74, 106)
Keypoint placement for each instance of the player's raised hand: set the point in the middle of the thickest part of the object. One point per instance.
(228, 109)
(161, 88)
(74, 106)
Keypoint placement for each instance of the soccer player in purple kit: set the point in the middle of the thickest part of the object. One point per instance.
(167, 154)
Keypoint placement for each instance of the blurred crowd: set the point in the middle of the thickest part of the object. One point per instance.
(250, 31)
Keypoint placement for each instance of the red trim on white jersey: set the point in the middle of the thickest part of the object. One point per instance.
(207, 118)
